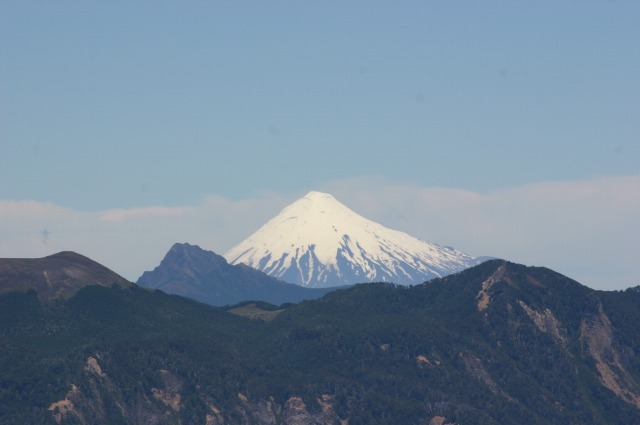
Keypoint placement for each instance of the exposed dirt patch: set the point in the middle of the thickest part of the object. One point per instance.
(94, 367)
(547, 323)
(439, 420)
(422, 361)
(326, 402)
(169, 395)
(296, 403)
(170, 400)
(597, 335)
(483, 296)
(476, 369)
(65, 408)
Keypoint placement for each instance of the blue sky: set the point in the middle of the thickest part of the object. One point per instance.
(235, 109)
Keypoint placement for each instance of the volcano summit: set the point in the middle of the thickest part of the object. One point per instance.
(319, 242)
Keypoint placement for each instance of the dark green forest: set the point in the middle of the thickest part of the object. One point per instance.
(499, 343)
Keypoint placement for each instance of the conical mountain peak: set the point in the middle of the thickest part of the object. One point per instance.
(318, 241)
(314, 196)
(317, 203)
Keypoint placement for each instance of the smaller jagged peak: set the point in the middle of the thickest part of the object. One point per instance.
(180, 252)
(183, 259)
(178, 247)
(192, 257)
(188, 251)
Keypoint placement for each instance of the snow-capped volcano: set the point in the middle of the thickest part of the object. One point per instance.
(319, 242)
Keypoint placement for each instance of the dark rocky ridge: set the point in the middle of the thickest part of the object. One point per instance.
(192, 272)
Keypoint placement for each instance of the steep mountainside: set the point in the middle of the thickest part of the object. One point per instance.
(319, 242)
(496, 344)
(192, 272)
(56, 276)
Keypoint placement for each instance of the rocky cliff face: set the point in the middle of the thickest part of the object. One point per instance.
(163, 405)
(91, 402)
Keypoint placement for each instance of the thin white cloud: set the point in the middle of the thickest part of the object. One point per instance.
(130, 241)
(122, 215)
(588, 230)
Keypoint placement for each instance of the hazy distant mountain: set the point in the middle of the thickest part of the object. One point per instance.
(319, 242)
(192, 272)
(56, 276)
(496, 344)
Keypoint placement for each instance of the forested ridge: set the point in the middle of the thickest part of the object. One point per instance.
(499, 343)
